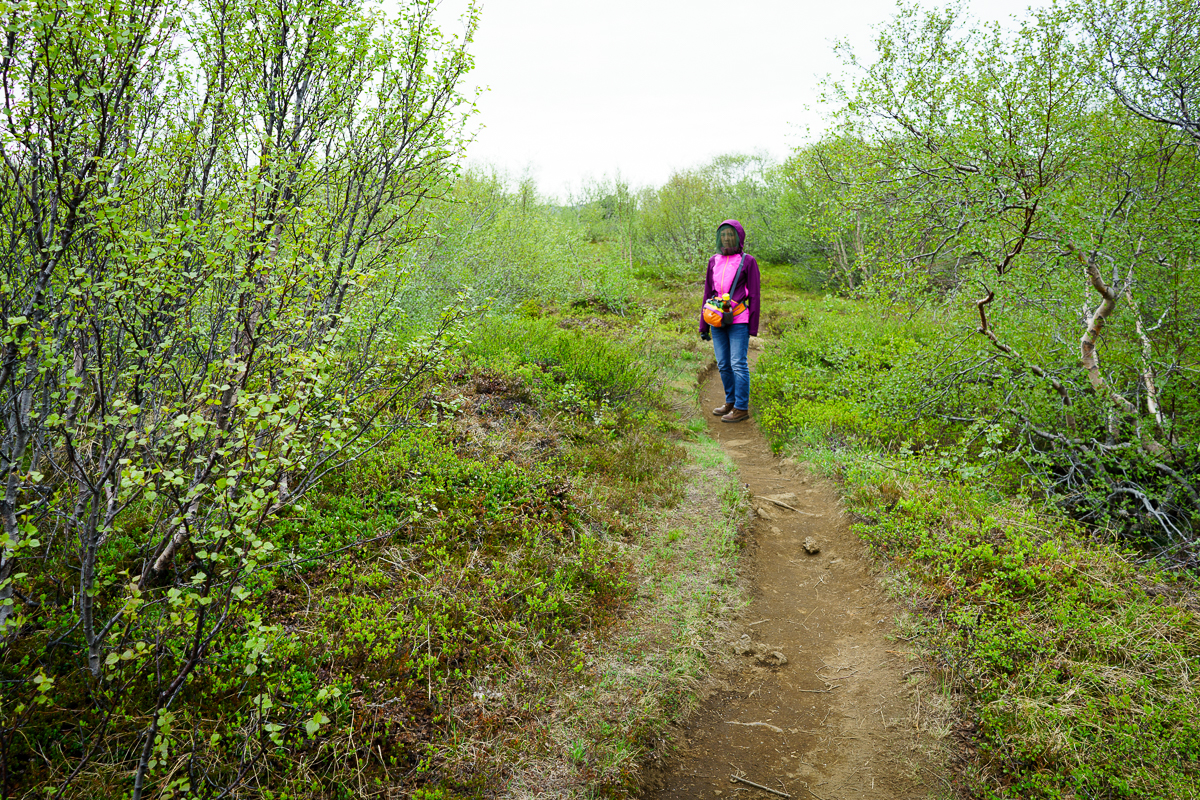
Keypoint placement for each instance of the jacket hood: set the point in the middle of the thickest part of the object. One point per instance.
(737, 226)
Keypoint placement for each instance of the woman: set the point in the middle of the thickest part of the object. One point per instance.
(733, 272)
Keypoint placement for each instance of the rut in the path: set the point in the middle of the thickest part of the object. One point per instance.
(842, 717)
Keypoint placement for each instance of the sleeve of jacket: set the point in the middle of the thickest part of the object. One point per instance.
(753, 288)
(708, 290)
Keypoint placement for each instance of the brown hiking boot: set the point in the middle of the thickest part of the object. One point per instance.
(736, 415)
(721, 411)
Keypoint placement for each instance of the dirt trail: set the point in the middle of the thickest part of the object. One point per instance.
(841, 718)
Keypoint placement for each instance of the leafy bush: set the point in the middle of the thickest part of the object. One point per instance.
(1016, 178)
(513, 248)
(574, 364)
(843, 372)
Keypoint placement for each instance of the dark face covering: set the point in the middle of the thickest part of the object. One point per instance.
(729, 240)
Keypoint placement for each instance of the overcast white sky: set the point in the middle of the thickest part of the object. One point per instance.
(579, 88)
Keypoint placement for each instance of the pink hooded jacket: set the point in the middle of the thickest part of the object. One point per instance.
(748, 284)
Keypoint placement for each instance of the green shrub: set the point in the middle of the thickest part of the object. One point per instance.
(597, 365)
(843, 373)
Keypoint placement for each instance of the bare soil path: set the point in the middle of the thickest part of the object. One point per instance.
(842, 717)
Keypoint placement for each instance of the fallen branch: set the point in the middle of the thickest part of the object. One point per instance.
(782, 504)
(755, 724)
(1184, 484)
(736, 779)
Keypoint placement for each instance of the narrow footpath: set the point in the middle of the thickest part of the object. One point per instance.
(814, 695)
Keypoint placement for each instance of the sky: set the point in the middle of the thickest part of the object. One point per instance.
(578, 90)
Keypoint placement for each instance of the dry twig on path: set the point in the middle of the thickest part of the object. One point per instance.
(736, 779)
(782, 504)
(755, 724)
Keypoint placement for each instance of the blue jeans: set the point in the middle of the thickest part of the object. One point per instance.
(729, 346)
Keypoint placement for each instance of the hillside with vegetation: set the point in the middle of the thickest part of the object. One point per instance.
(335, 469)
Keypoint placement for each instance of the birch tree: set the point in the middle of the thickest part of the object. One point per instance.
(1067, 224)
(195, 199)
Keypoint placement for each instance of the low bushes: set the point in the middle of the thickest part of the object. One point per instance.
(1071, 656)
(1073, 661)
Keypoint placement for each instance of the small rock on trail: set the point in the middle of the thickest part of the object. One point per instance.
(765, 654)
